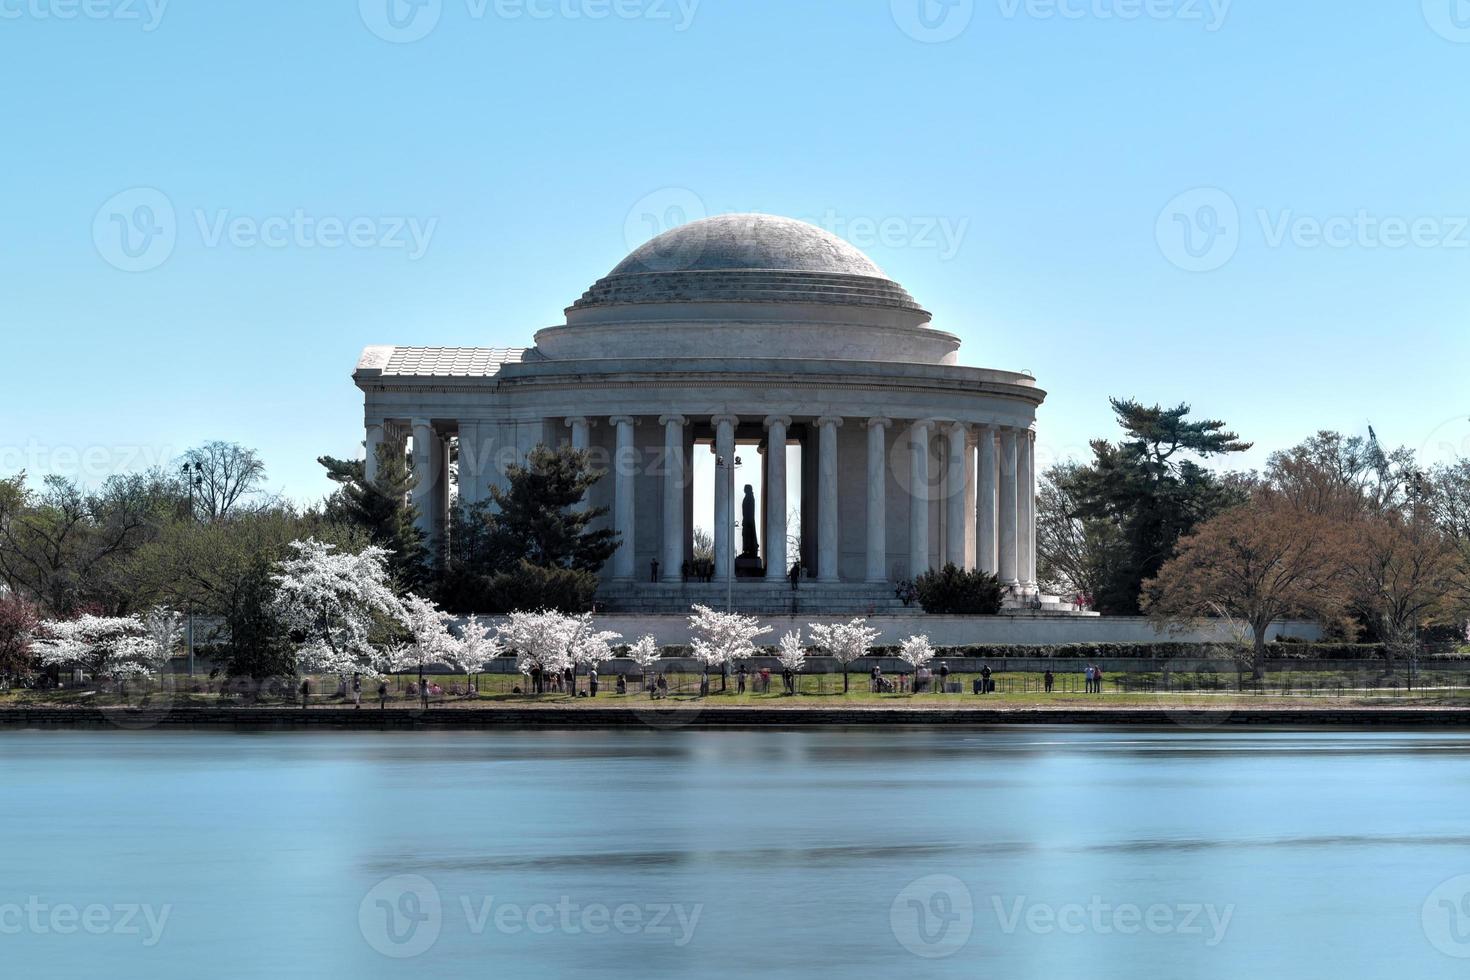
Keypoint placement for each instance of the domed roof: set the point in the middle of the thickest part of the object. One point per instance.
(751, 242)
(747, 258)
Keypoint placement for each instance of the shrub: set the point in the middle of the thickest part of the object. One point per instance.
(954, 591)
(525, 587)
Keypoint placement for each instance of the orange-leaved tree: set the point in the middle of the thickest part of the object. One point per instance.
(1262, 561)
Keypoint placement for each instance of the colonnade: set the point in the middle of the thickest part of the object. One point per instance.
(984, 477)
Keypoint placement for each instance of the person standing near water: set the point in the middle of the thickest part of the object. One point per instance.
(357, 691)
(1049, 679)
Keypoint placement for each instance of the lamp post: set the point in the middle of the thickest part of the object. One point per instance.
(729, 466)
(193, 479)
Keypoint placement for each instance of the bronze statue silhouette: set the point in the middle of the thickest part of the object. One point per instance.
(749, 544)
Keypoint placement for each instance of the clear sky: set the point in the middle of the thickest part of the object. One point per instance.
(1258, 206)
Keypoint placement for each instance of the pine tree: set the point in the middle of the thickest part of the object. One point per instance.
(383, 509)
(531, 545)
(1151, 492)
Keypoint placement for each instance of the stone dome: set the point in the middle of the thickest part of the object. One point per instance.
(748, 242)
(747, 258)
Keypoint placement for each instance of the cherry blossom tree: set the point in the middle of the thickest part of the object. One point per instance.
(541, 641)
(844, 642)
(916, 652)
(472, 650)
(646, 654)
(430, 638)
(164, 629)
(18, 622)
(722, 638)
(335, 600)
(588, 646)
(791, 652)
(101, 646)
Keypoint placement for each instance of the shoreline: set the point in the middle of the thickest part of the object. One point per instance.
(685, 715)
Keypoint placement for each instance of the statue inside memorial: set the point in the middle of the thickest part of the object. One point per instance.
(749, 546)
(748, 563)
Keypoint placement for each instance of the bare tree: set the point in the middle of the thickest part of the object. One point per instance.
(1259, 562)
(222, 474)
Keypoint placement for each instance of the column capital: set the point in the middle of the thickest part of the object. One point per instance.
(573, 421)
(422, 424)
(879, 422)
(672, 420)
(376, 423)
(925, 424)
(731, 419)
(622, 420)
(836, 420)
(782, 420)
(958, 426)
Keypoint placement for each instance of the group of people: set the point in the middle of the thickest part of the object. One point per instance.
(565, 682)
(1093, 675)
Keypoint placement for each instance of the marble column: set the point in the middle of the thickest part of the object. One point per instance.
(581, 432)
(878, 500)
(827, 499)
(581, 439)
(971, 555)
(674, 481)
(776, 562)
(724, 497)
(471, 463)
(1009, 537)
(1026, 507)
(425, 439)
(987, 557)
(625, 470)
(376, 430)
(919, 499)
(955, 504)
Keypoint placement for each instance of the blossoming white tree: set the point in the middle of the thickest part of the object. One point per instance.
(101, 646)
(791, 652)
(335, 599)
(916, 652)
(722, 638)
(472, 650)
(164, 630)
(844, 642)
(541, 641)
(589, 647)
(646, 654)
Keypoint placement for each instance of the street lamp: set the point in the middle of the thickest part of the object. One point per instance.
(729, 466)
(193, 479)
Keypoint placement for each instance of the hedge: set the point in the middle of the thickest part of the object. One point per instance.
(1116, 651)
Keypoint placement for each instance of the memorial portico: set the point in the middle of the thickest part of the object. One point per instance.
(739, 336)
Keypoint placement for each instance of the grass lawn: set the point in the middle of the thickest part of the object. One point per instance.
(1014, 691)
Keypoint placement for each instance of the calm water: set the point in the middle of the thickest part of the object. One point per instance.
(991, 853)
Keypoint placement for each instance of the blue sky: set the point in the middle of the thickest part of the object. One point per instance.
(1029, 170)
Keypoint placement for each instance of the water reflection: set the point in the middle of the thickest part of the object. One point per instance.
(852, 852)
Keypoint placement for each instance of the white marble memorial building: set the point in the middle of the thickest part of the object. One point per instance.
(729, 336)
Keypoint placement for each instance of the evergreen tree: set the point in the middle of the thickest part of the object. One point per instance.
(384, 510)
(1151, 492)
(532, 544)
